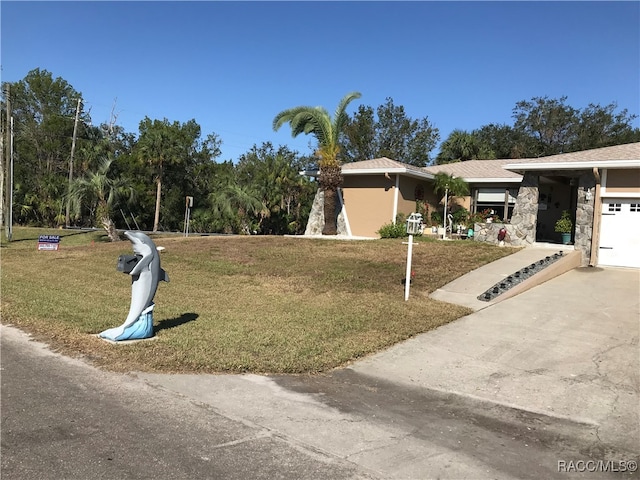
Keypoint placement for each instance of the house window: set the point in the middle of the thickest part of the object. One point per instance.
(615, 207)
(634, 207)
(496, 199)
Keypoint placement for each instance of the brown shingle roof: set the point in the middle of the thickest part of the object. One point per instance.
(628, 151)
(494, 169)
(475, 169)
(383, 164)
(375, 164)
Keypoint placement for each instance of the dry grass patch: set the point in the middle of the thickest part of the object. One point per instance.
(235, 304)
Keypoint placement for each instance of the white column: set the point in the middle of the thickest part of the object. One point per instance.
(395, 199)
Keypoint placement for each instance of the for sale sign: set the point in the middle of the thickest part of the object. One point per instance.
(48, 242)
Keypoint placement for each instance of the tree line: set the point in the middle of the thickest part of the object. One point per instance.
(141, 180)
(543, 126)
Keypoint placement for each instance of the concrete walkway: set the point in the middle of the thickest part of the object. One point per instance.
(466, 289)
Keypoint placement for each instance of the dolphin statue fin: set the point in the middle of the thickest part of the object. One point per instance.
(164, 276)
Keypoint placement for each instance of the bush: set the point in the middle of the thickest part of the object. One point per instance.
(476, 218)
(393, 230)
(461, 216)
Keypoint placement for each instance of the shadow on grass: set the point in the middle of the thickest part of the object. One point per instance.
(175, 322)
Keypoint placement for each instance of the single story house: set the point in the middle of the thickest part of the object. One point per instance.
(600, 188)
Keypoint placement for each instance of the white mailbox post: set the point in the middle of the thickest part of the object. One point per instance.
(414, 223)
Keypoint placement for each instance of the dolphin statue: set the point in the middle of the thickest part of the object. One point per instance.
(145, 276)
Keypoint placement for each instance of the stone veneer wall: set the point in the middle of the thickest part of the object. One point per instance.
(315, 224)
(488, 232)
(584, 215)
(522, 229)
(525, 212)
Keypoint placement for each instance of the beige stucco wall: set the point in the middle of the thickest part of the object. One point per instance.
(407, 197)
(464, 202)
(369, 200)
(623, 180)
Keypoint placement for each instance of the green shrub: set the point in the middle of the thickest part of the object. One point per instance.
(564, 223)
(393, 230)
(461, 216)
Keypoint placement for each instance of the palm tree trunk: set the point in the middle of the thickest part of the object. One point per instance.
(330, 179)
(110, 227)
(156, 218)
(330, 218)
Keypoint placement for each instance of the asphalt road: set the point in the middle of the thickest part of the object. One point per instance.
(62, 419)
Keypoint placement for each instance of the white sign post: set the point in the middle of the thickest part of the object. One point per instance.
(187, 214)
(413, 227)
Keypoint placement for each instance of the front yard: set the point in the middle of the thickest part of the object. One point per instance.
(234, 304)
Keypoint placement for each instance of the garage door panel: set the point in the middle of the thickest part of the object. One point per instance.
(620, 233)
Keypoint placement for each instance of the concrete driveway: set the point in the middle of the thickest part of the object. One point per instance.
(567, 348)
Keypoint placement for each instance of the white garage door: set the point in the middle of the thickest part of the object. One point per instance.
(620, 232)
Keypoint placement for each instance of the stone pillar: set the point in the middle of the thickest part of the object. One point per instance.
(584, 215)
(315, 223)
(525, 211)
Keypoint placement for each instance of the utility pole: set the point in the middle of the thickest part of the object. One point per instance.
(10, 222)
(2, 171)
(73, 148)
(8, 192)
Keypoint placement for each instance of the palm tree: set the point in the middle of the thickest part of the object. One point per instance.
(99, 192)
(235, 203)
(162, 144)
(317, 121)
(153, 148)
(459, 147)
(451, 187)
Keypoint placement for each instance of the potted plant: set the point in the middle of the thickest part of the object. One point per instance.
(564, 226)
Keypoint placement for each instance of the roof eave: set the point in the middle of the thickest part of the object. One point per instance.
(493, 180)
(390, 171)
(523, 167)
(377, 171)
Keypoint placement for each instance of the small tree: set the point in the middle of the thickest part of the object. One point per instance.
(99, 192)
(451, 187)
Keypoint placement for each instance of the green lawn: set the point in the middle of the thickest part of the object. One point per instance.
(234, 304)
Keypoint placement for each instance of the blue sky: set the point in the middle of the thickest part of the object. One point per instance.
(232, 66)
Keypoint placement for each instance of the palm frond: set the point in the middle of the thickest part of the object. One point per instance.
(287, 115)
(340, 117)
